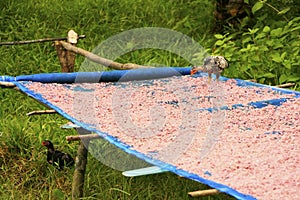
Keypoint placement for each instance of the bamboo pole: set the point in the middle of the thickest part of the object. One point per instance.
(100, 60)
(202, 193)
(82, 137)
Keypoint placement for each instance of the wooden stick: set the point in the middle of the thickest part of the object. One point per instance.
(67, 58)
(7, 84)
(38, 40)
(40, 112)
(286, 85)
(79, 172)
(202, 193)
(82, 137)
(100, 60)
(252, 80)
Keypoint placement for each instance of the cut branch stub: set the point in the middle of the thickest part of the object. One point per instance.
(72, 37)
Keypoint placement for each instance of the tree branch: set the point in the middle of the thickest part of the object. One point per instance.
(40, 112)
(100, 60)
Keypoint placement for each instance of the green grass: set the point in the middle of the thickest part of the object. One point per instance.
(24, 173)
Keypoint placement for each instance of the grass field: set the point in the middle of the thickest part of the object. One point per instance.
(24, 173)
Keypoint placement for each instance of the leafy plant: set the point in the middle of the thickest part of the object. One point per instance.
(266, 53)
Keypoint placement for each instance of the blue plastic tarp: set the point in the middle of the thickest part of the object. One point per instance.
(130, 75)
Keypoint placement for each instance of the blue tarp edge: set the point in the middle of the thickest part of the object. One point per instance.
(105, 76)
(127, 149)
(128, 75)
(125, 75)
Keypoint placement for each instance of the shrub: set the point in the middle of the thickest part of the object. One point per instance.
(266, 53)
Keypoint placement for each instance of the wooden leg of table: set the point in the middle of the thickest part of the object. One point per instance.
(80, 166)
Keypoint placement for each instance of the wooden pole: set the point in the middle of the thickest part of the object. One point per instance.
(67, 61)
(67, 58)
(79, 173)
(80, 166)
(202, 193)
(100, 60)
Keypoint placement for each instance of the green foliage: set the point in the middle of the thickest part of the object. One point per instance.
(268, 53)
(257, 6)
(98, 20)
(276, 9)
